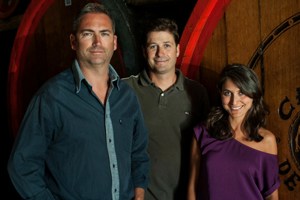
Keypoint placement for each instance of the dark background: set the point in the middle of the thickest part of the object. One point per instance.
(6, 40)
(8, 30)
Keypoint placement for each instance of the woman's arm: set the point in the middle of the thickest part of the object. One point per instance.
(194, 171)
(273, 196)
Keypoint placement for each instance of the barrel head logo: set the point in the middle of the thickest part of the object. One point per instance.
(294, 139)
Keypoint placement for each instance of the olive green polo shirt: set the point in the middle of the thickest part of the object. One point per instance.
(170, 116)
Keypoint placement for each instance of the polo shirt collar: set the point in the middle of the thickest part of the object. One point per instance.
(146, 81)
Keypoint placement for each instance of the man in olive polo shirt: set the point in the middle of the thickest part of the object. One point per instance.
(172, 104)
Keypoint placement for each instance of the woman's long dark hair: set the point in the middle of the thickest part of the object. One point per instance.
(247, 81)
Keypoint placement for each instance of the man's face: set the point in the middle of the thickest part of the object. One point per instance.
(161, 51)
(94, 41)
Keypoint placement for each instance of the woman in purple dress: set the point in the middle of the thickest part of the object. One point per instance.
(233, 156)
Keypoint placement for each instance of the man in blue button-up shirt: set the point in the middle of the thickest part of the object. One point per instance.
(83, 135)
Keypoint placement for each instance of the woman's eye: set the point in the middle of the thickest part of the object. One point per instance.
(241, 94)
(226, 93)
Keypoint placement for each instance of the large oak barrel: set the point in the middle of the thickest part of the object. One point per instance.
(265, 36)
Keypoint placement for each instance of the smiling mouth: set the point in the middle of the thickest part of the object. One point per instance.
(236, 107)
(97, 51)
(160, 61)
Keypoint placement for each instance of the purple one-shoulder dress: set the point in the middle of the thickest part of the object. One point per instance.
(231, 170)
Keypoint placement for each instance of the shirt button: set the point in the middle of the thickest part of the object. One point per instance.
(162, 94)
(120, 121)
(109, 140)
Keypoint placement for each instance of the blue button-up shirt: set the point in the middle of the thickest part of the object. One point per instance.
(71, 146)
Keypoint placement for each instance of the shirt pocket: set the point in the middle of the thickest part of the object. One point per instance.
(124, 131)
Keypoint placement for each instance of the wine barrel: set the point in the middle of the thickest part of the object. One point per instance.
(197, 32)
(41, 49)
(265, 37)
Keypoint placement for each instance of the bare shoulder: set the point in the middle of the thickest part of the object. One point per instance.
(269, 142)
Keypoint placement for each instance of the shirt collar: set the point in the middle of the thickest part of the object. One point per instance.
(146, 81)
(79, 77)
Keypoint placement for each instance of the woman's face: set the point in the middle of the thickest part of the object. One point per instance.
(234, 101)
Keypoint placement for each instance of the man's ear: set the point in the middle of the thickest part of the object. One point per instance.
(178, 50)
(115, 42)
(73, 42)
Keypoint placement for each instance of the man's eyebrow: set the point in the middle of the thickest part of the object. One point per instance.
(86, 29)
(106, 30)
(91, 30)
